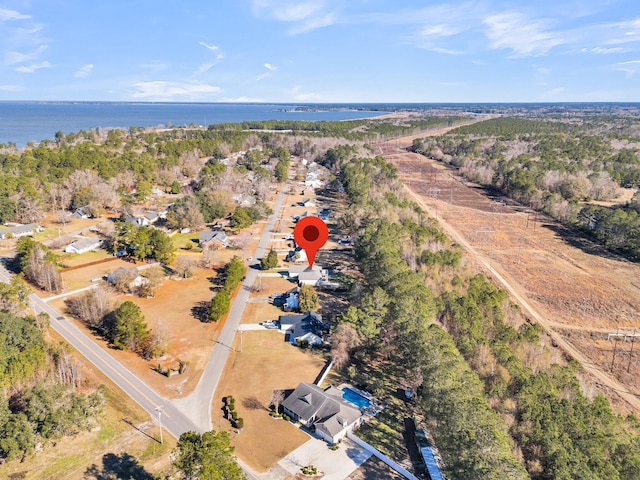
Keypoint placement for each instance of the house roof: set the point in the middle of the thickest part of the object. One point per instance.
(296, 318)
(209, 235)
(86, 242)
(310, 275)
(327, 406)
(130, 271)
(298, 269)
(19, 229)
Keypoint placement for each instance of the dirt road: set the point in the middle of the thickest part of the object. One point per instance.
(507, 261)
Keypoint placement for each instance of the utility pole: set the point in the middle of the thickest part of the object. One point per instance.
(159, 410)
(633, 339)
(615, 348)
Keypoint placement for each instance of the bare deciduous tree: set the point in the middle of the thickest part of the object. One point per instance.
(343, 341)
(184, 266)
(28, 209)
(69, 370)
(91, 307)
(276, 399)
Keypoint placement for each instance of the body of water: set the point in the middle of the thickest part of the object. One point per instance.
(23, 122)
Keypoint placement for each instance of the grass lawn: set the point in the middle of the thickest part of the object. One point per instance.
(271, 285)
(170, 312)
(123, 429)
(257, 312)
(73, 260)
(182, 240)
(251, 376)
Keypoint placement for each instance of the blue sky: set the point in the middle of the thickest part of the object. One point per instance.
(320, 50)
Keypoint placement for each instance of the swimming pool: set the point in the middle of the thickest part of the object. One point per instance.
(355, 398)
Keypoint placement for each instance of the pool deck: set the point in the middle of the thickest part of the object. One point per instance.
(375, 406)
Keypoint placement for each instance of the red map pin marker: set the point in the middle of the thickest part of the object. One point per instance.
(311, 233)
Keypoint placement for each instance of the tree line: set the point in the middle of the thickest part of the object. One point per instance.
(558, 166)
(497, 399)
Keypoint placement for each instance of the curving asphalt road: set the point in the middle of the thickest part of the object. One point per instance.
(173, 420)
(192, 413)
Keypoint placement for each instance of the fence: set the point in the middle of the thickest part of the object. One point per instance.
(401, 470)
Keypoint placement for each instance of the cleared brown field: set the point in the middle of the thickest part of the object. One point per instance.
(569, 281)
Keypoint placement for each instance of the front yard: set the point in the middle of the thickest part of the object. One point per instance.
(266, 363)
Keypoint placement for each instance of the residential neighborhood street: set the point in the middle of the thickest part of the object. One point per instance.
(178, 416)
(198, 404)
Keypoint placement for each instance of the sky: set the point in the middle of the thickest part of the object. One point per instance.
(320, 51)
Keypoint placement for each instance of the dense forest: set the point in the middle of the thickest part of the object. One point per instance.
(570, 167)
(499, 400)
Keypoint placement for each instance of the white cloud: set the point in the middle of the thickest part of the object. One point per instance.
(165, 91)
(33, 67)
(440, 30)
(525, 37)
(443, 50)
(13, 57)
(213, 48)
(630, 68)
(270, 68)
(6, 15)
(289, 11)
(241, 99)
(603, 50)
(84, 71)
(205, 67)
(306, 16)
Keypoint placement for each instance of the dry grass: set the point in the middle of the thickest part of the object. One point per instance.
(81, 277)
(575, 284)
(251, 376)
(256, 312)
(171, 313)
(271, 285)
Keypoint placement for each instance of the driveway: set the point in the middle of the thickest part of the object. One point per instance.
(332, 465)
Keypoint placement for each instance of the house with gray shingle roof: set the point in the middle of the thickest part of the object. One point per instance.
(213, 238)
(324, 409)
(83, 245)
(17, 231)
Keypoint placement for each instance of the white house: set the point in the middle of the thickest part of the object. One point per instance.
(83, 245)
(326, 410)
(17, 231)
(297, 255)
(312, 277)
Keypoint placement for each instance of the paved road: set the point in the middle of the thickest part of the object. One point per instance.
(173, 420)
(193, 413)
(198, 404)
